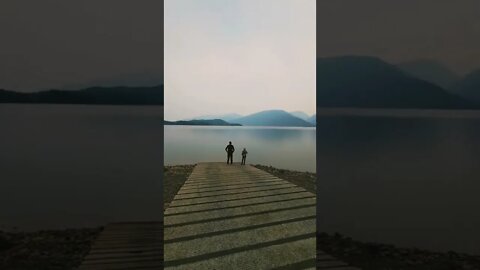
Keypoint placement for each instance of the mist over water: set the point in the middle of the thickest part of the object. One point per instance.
(286, 148)
(79, 165)
(410, 181)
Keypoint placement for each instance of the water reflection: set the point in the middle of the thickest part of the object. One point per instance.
(73, 165)
(408, 181)
(290, 148)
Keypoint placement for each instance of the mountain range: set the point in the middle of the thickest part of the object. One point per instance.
(369, 82)
(430, 71)
(277, 118)
(301, 115)
(200, 122)
(226, 117)
(94, 95)
(343, 81)
(272, 118)
(468, 87)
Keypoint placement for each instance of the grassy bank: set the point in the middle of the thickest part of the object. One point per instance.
(52, 249)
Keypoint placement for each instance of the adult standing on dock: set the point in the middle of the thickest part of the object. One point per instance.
(230, 149)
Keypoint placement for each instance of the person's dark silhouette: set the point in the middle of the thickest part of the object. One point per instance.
(244, 155)
(230, 149)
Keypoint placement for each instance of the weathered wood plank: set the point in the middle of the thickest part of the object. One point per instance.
(128, 245)
(239, 217)
(224, 217)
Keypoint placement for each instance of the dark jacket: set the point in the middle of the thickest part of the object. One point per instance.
(230, 148)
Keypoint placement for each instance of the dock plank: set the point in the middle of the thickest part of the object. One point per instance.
(132, 245)
(223, 217)
(240, 217)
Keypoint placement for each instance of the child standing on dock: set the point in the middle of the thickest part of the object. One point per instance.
(244, 155)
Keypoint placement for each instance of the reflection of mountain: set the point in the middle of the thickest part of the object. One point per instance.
(430, 71)
(260, 135)
(368, 82)
(272, 118)
(94, 95)
(280, 134)
(339, 134)
(200, 122)
(468, 87)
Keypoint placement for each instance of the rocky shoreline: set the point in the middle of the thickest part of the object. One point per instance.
(65, 249)
(307, 180)
(48, 249)
(173, 179)
(376, 256)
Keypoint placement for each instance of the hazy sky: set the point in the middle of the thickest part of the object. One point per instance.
(444, 30)
(58, 43)
(241, 56)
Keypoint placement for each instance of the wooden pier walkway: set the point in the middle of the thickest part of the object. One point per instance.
(223, 217)
(129, 245)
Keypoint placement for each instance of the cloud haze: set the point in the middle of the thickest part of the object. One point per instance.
(239, 56)
(57, 43)
(397, 31)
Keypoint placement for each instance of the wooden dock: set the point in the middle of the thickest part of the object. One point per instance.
(240, 217)
(129, 245)
(223, 217)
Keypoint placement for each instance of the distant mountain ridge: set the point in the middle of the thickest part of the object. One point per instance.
(200, 122)
(430, 71)
(272, 118)
(469, 86)
(143, 79)
(225, 117)
(301, 115)
(94, 95)
(369, 82)
(263, 118)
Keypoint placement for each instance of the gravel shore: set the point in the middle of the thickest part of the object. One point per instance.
(376, 256)
(51, 249)
(65, 249)
(173, 179)
(307, 180)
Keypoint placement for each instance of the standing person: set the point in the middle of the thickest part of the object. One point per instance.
(230, 149)
(244, 155)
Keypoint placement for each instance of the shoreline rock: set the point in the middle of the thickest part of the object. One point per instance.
(45, 249)
(65, 249)
(376, 256)
(379, 256)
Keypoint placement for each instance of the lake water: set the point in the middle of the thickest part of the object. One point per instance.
(74, 166)
(410, 178)
(287, 148)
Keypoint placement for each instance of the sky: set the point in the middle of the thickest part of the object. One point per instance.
(239, 56)
(72, 44)
(447, 31)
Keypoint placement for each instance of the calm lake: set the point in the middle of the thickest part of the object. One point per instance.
(74, 165)
(410, 178)
(287, 148)
(403, 177)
